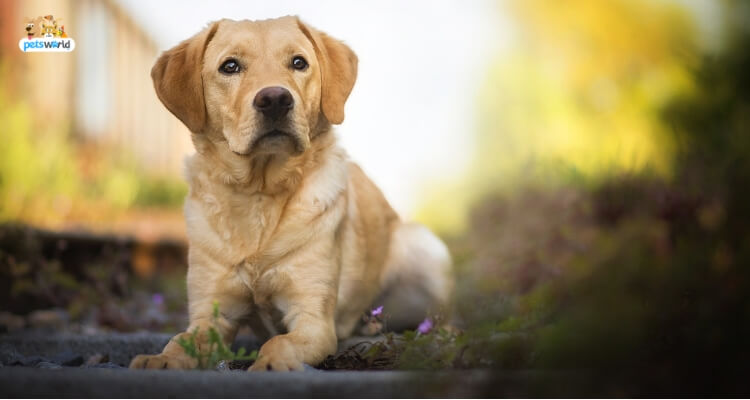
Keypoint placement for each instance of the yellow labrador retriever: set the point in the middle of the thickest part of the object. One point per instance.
(285, 233)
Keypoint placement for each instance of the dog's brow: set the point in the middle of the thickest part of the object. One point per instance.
(294, 49)
(235, 52)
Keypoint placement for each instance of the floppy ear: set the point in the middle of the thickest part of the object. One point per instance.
(338, 70)
(178, 82)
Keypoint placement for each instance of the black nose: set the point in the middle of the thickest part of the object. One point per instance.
(274, 102)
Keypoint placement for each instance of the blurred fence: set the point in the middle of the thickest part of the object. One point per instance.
(102, 91)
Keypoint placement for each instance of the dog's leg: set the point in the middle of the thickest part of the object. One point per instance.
(312, 337)
(308, 302)
(417, 279)
(173, 356)
(208, 285)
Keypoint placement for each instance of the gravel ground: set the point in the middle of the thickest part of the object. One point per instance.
(66, 365)
(116, 348)
(107, 383)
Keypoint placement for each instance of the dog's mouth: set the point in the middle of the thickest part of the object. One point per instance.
(272, 135)
(274, 139)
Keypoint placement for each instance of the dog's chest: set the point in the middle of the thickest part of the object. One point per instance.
(248, 222)
(261, 281)
(235, 226)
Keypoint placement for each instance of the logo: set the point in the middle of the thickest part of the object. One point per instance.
(46, 34)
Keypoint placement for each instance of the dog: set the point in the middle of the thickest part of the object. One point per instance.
(33, 26)
(285, 232)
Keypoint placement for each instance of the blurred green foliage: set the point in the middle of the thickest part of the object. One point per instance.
(160, 192)
(638, 277)
(575, 100)
(32, 177)
(47, 178)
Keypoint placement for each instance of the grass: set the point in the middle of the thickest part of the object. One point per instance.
(215, 351)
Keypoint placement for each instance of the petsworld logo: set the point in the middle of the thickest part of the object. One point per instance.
(46, 34)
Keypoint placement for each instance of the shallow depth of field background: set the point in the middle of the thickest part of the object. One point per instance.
(586, 161)
(453, 101)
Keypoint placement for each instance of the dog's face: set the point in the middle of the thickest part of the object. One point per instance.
(257, 87)
(32, 26)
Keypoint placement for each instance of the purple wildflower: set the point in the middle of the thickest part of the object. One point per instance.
(157, 299)
(376, 311)
(425, 327)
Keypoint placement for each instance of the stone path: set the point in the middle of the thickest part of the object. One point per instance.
(49, 378)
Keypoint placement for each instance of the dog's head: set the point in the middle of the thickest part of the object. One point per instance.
(262, 86)
(33, 26)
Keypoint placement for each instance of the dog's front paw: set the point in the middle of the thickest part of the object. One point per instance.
(278, 354)
(162, 361)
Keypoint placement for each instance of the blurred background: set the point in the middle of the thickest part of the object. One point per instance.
(587, 162)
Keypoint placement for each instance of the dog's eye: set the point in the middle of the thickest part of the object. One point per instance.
(230, 66)
(299, 63)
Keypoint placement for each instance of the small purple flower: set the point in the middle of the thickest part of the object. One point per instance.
(376, 311)
(157, 299)
(425, 327)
